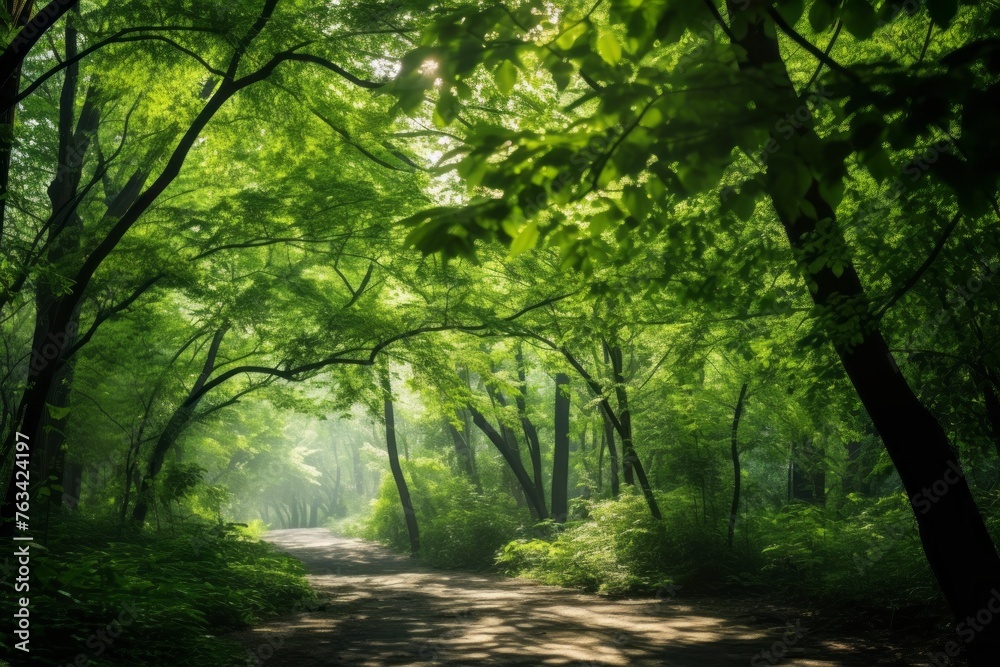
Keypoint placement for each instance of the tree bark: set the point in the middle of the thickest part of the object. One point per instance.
(958, 546)
(613, 355)
(735, 452)
(513, 460)
(530, 432)
(463, 453)
(560, 455)
(609, 437)
(175, 425)
(64, 230)
(10, 83)
(397, 471)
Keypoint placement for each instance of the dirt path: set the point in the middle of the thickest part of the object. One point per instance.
(378, 608)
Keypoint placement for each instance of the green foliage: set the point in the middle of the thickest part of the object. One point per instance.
(460, 527)
(619, 549)
(869, 551)
(189, 587)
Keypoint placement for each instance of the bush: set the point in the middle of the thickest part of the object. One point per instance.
(620, 549)
(874, 554)
(184, 589)
(460, 527)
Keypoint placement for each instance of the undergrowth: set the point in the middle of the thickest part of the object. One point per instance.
(152, 598)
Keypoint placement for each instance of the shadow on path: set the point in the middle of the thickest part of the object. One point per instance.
(379, 608)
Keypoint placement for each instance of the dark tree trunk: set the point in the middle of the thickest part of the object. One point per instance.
(609, 438)
(513, 460)
(175, 426)
(530, 432)
(735, 452)
(598, 391)
(613, 355)
(397, 471)
(958, 546)
(534, 451)
(72, 484)
(463, 453)
(10, 82)
(560, 455)
(64, 230)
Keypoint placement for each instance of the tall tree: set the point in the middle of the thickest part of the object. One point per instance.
(560, 457)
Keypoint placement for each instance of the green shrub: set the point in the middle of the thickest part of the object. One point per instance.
(619, 549)
(189, 586)
(874, 554)
(460, 527)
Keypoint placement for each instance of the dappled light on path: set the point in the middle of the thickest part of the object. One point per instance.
(379, 608)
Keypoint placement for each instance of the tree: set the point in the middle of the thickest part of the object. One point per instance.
(663, 113)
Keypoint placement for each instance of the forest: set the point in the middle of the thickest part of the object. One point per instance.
(594, 333)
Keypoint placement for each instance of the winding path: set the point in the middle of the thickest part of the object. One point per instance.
(379, 608)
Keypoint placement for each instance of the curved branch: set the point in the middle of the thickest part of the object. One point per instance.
(809, 46)
(294, 374)
(118, 38)
(912, 281)
(14, 54)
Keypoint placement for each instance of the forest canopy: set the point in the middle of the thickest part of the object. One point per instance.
(616, 295)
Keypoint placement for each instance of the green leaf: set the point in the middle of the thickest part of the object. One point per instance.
(57, 412)
(609, 49)
(859, 18)
(942, 11)
(526, 240)
(505, 76)
(561, 73)
(822, 14)
(791, 10)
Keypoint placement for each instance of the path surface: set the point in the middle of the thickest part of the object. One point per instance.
(378, 608)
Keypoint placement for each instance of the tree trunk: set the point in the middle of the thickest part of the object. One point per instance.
(530, 432)
(397, 471)
(10, 83)
(513, 462)
(72, 485)
(560, 456)
(807, 473)
(175, 425)
(613, 355)
(958, 546)
(463, 453)
(735, 452)
(609, 438)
